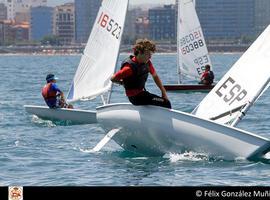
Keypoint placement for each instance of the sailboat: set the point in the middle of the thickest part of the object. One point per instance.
(192, 53)
(155, 131)
(97, 64)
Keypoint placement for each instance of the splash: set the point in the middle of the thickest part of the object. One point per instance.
(52, 123)
(87, 150)
(47, 123)
(267, 156)
(187, 156)
(17, 143)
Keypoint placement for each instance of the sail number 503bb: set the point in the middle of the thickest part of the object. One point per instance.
(191, 42)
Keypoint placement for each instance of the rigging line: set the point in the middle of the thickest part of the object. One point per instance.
(229, 112)
(251, 102)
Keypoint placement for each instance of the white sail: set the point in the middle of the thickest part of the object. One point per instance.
(241, 86)
(99, 58)
(191, 47)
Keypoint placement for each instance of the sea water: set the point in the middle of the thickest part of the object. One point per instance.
(36, 152)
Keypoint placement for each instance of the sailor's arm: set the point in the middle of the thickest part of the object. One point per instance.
(114, 79)
(59, 92)
(121, 74)
(160, 85)
(62, 95)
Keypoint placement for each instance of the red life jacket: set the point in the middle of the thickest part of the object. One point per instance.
(208, 77)
(48, 93)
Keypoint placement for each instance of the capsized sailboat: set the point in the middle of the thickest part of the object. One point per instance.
(96, 66)
(192, 53)
(155, 131)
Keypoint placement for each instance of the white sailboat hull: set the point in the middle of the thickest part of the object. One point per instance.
(155, 131)
(76, 116)
(92, 77)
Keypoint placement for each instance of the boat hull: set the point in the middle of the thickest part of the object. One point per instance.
(75, 116)
(189, 88)
(155, 131)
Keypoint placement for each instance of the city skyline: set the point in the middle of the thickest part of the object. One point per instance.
(132, 2)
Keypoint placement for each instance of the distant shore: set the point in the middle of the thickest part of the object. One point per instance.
(70, 50)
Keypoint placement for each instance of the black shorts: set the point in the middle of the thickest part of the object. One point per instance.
(146, 98)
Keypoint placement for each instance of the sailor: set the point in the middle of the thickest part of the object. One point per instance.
(134, 73)
(207, 77)
(52, 95)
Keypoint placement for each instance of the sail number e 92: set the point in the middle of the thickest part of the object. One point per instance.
(110, 25)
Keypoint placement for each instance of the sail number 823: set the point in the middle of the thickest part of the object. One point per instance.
(110, 25)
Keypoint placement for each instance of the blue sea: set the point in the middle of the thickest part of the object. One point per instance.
(36, 152)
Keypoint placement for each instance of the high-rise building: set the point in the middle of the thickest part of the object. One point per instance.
(262, 15)
(64, 23)
(223, 19)
(6, 33)
(3, 11)
(162, 25)
(85, 15)
(25, 5)
(21, 32)
(10, 4)
(142, 27)
(14, 6)
(10, 32)
(136, 25)
(41, 22)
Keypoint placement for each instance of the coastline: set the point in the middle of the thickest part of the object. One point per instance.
(125, 49)
(121, 53)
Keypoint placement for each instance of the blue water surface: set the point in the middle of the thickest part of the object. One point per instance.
(36, 152)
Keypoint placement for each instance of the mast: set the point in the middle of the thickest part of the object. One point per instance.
(177, 40)
(111, 89)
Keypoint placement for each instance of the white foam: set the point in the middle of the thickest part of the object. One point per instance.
(38, 120)
(190, 156)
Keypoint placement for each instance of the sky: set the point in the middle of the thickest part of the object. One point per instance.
(132, 2)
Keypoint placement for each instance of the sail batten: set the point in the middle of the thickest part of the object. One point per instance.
(99, 58)
(243, 84)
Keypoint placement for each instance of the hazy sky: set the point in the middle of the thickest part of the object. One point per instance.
(134, 2)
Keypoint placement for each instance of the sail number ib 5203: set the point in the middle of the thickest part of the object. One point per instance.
(110, 25)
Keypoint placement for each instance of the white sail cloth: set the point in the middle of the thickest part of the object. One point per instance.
(191, 47)
(241, 86)
(99, 58)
